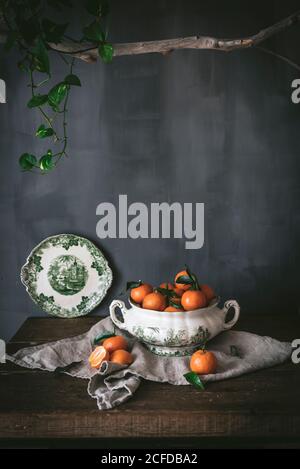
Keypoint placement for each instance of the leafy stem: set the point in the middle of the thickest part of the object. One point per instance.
(44, 114)
(65, 110)
(35, 35)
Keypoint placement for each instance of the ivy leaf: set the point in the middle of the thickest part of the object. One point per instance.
(194, 379)
(97, 7)
(44, 132)
(175, 305)
(185, 280)
(134, 284)
(106, 52)
(57, 94)
(166, 292)
(101, 337)
(46, 162)
(93, 32)
(72, 80)
(40, 57)
(27, 161)
(37, 100)
(53, 31)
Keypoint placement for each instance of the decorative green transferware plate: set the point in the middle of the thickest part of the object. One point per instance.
(66, 275)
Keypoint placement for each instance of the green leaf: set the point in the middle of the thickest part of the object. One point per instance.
(57, 94)
(93, 32)
(46, 162)
(101, 337)
(27, 161)
(195, 284)
(37, 100)
(166, 292)
(97, 7)
(175, 305)
(53, 32)
(134, 284)
(194, 379)
(72, 80)
(106, 52)
(40, 57)
(188, 271)
(185, 280)
(44, 132)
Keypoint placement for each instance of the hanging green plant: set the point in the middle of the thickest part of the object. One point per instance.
(28, 28)
(31, 31)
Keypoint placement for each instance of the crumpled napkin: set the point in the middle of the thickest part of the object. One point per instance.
(114, 384)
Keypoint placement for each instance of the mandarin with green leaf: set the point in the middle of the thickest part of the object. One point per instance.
(138, 294)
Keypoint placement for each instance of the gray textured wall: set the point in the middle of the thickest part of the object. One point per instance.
(190, 127)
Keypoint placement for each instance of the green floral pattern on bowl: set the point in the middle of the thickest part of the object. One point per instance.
(174, 334)
(66, 275)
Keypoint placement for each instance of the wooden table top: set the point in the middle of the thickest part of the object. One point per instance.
(37, 404)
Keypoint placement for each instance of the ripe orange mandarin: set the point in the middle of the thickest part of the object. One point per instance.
(208, 292)
(138, 294)
(179, 292)
(167, 286)
(115, 343)
(203, 362)
(122, 357)
(172, 309)
(193, 299)
(155, 301)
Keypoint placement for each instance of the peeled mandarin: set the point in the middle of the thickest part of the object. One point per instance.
(99, 355)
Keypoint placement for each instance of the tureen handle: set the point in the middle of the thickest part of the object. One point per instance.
(112, 311)
(227, 305)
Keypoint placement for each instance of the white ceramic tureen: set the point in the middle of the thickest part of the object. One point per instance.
(174, 333)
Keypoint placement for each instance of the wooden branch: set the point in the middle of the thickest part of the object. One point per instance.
(89, 52)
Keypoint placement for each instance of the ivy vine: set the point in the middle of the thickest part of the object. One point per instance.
(31, 31)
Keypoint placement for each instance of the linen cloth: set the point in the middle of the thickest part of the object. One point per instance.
(114, 384)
